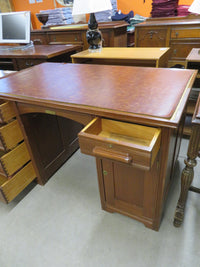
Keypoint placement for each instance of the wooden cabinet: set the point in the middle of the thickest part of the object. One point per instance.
(127, 157)
(181, 34)
(16, 169)
(113, 34)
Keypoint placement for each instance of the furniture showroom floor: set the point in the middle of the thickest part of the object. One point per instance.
(61, 224)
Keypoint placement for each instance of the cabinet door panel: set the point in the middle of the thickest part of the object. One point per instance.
(124, 185)
(56, 140)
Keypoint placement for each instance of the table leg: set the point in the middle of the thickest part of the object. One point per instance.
(187, 174)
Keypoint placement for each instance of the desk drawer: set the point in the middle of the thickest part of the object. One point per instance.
(182, 33)
(10, 135)
(27, 63)
(125, 142)
(6, 112)
(66, 37)
(14, 160)
(9, 189)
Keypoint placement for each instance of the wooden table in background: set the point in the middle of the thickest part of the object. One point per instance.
(146, 57)
(20, 59)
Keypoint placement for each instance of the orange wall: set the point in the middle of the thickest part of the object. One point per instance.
(138, 7)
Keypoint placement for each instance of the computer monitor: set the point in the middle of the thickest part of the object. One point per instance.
(15, 27)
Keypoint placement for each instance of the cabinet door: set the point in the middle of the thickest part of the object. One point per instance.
(56, 140)
(124, 185)
(128, 190)
(151, 37)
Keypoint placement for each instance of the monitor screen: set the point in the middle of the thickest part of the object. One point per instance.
(15, 27)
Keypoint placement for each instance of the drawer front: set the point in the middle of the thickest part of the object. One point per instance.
(119, 145)
(65, 37)
(27, 63)
(151, 37)
(180, 50)
(181, 33)
(9, 189)
(39, 39)
(10, 135)
(6, 112)
(14, 160)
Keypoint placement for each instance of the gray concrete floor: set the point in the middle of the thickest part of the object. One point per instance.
(62, 224)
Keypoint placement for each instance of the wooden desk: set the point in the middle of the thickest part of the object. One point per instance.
(21, 59)
(148, 57)
(188, 172)
(131, 100)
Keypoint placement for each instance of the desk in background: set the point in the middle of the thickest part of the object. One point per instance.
(135, 135)
(147, 57)
(21, 59)
(114, 34)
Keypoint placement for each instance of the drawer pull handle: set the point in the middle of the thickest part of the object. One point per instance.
(111, 154)
(37, 41)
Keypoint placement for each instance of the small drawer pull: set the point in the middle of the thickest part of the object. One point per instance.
(111, 154)
(29, 63)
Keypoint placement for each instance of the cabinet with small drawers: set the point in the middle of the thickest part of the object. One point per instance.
(16, 169)
(181, 34)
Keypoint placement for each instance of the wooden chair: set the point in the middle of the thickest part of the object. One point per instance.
(188, 172)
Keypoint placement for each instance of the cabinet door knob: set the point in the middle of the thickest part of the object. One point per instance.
(105, 172)
(176, 34)
(174, 51)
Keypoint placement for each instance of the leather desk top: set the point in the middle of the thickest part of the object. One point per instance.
(128, 91)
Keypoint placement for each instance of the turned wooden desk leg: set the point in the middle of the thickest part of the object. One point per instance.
(187, 174)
